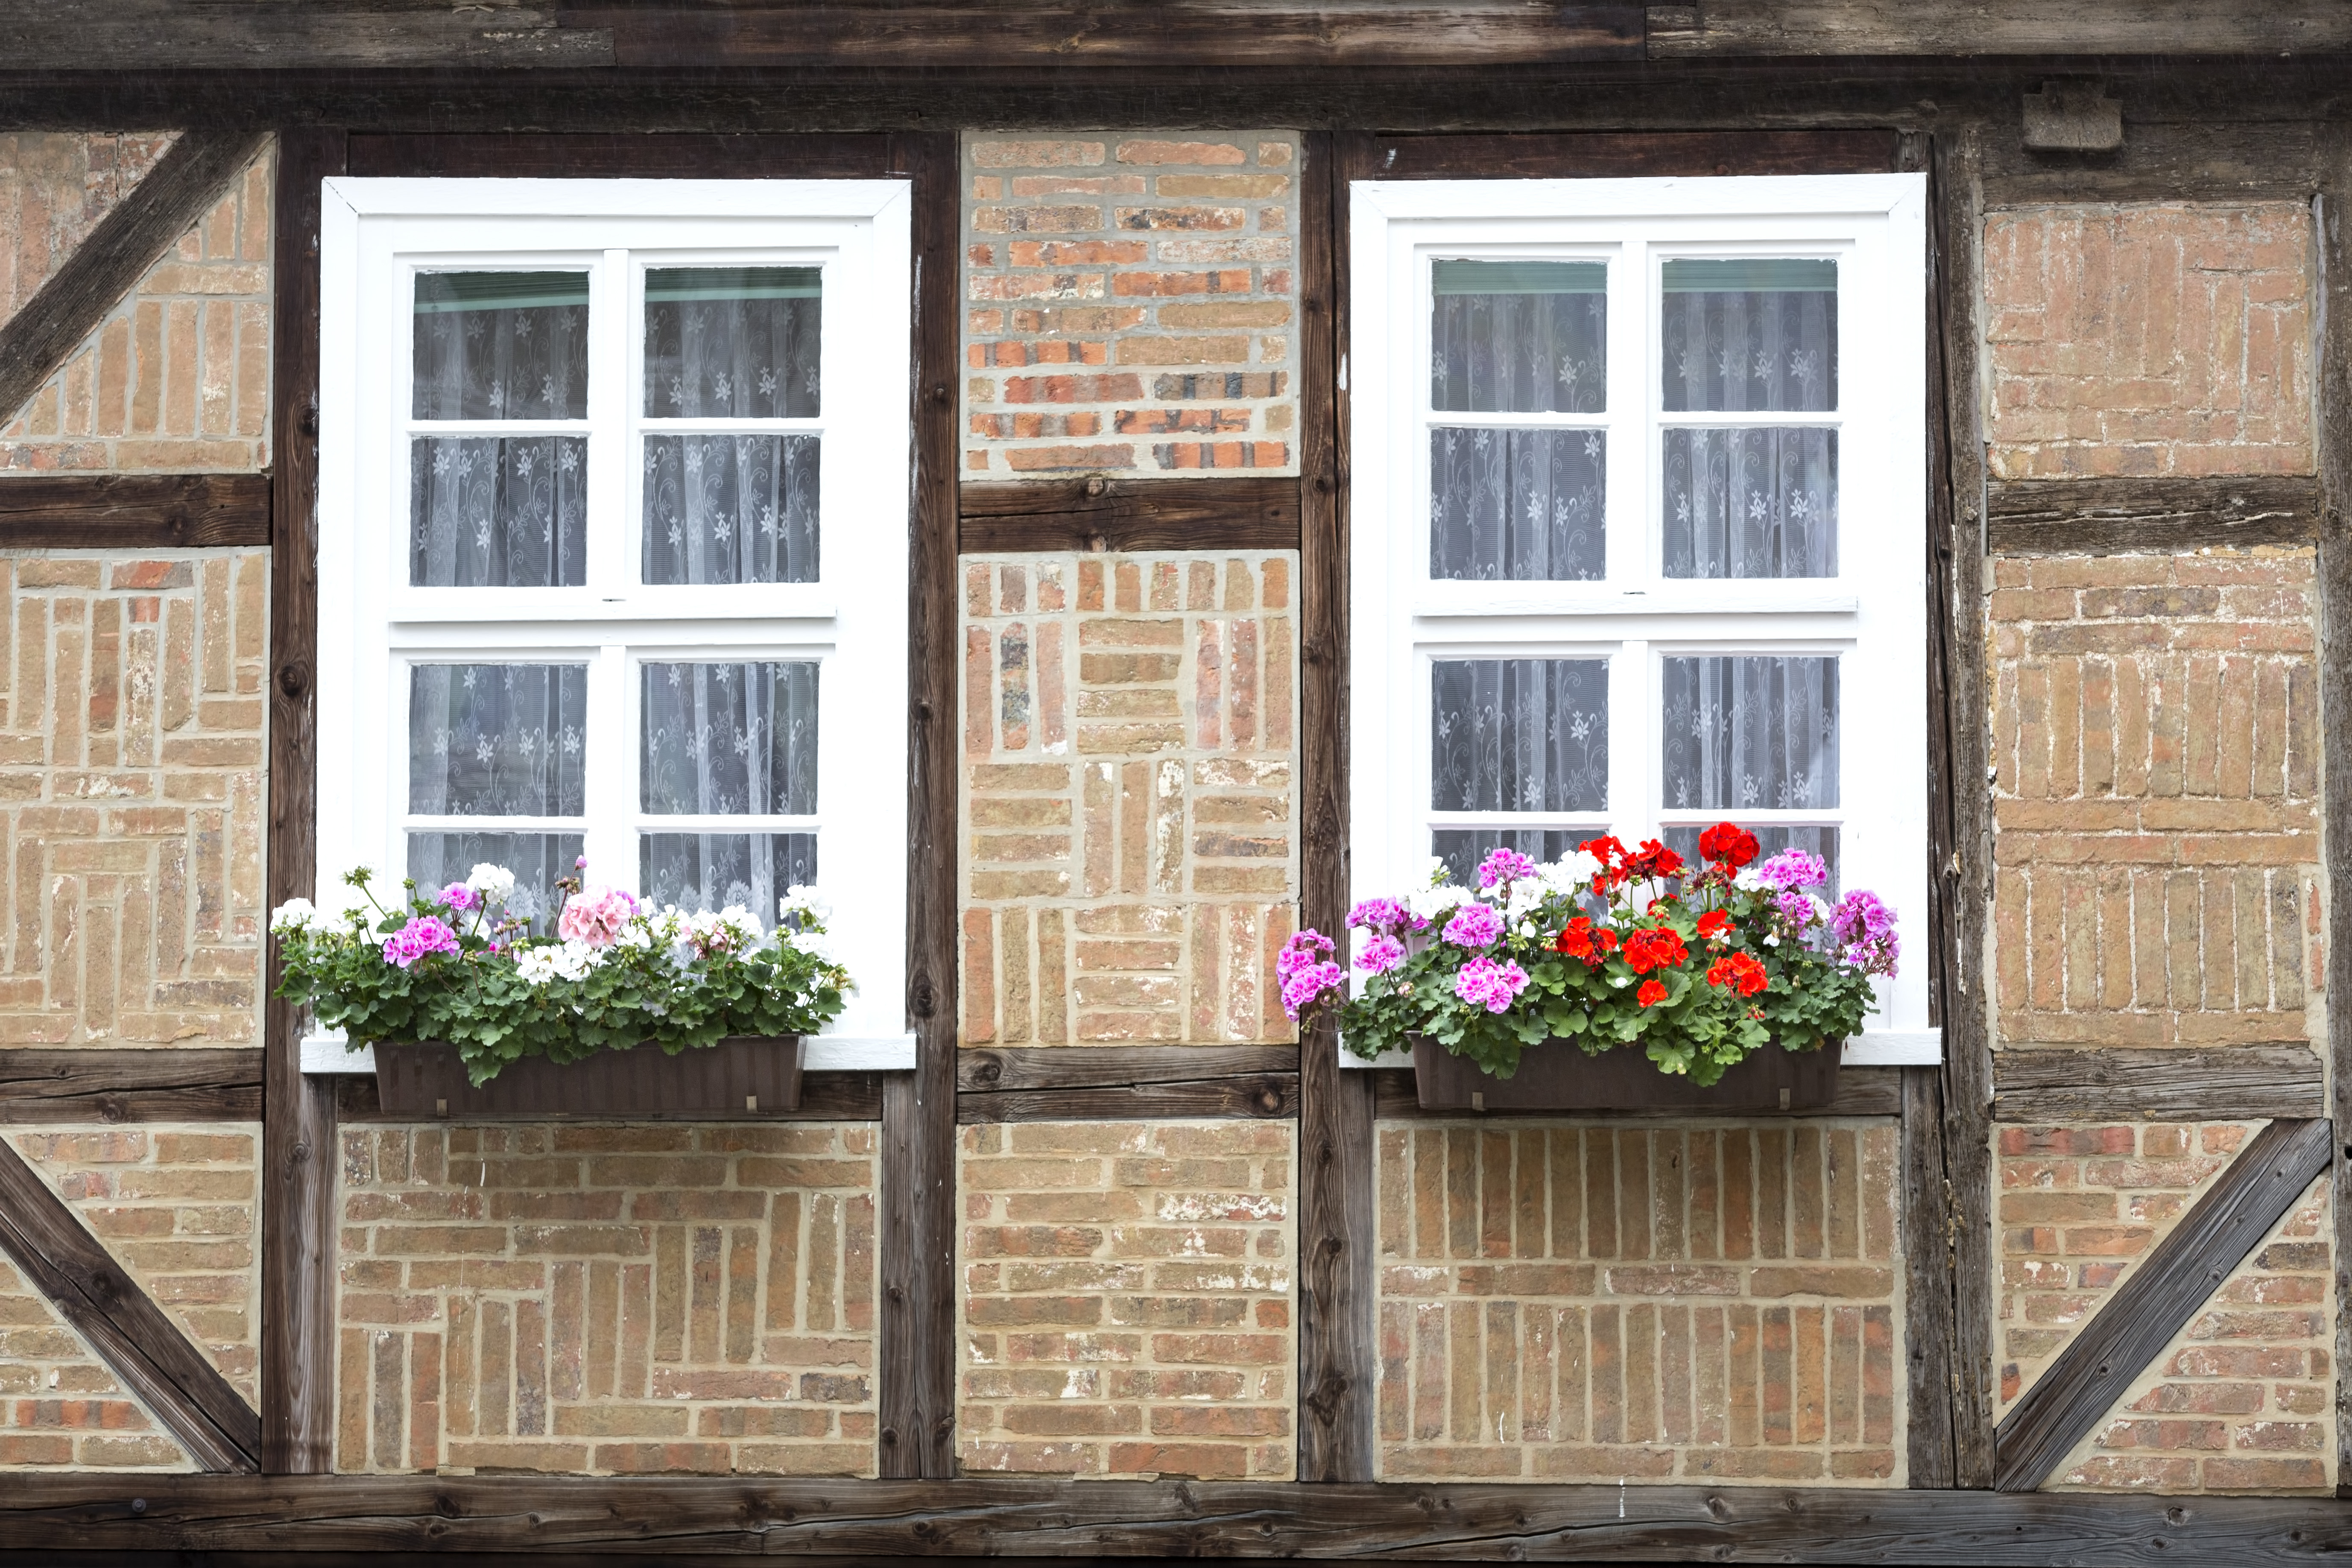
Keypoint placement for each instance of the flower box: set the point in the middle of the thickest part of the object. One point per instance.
(737, 1076)
(1561, 1076)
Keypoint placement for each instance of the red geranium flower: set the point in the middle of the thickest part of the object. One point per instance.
(1652, 860)
(1715, 922)
(1654, 947)
(1729, 843)
(1739, 970)
(1575, 939)
(1605, 849)
(1651, 994)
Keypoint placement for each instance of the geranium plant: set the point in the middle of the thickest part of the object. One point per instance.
(453, 964)
(1695, 965)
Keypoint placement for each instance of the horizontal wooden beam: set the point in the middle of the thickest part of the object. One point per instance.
(1064, 1083)
(716, 1518)
(104, 1084)
(824, 1097)
(2117, 517)
(1861, 1092)
(500, 33)
(122, 1325)
(2157, 1298)
(1597, 154)
(130, 237)
(1099, 515)
(1722, 27)
(134, 511)
(586, 155)
(1017, 33)
(2232, 1082)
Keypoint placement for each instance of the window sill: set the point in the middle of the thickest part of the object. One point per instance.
(1874, 1049)
(324, 1054)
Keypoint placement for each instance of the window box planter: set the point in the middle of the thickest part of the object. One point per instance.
(1561, 1076)
(738, 1075)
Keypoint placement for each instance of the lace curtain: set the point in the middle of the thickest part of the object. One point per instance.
(1516, 734)
(1744, 732)
(728, 739)
(1750, 504)
(498, 739)
(1515, 505)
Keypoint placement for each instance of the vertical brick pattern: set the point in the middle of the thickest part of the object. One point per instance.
(2165, 339)
(1129, 304)
(176, 378)
(1562, 1303)
(1125, 1309)
(608, 1300)
(2156, 752)
(1128, 812)
(177, 1207)
(131, 799)
(60, 1409)
(54, 186)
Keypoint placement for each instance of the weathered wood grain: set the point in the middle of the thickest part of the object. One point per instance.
(998, 34)
(824, 1097)
(122, 1324)
(602, 154)
(134, 511)
(298, 1132)
(79, 35)
(111, 1085)
(2163, 517)
(1605, 154)
(1268, 1096)
(1861, 1092)
(566, 1520)
(998, 1068)
(2169, 155)
(2159, 1297)
(2007, 27)
(2106, 1084)
(116, 254)
(1100, 513)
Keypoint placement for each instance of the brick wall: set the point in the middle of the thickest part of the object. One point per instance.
(176, 378)
(1128, 812)
(2155, 746)
(1126, 1300)
(1601, 1303)
(131, 799)
(59, 1407)
(178, 1207)
(1129, 304)
(2162, 339)
(55, 186)
(607, 1299)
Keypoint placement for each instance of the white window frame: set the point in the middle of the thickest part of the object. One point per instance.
(1872, 614)
(376, 234)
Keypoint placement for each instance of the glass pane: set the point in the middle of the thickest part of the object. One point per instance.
(1750, 335)
(1463, 848)
(732, 342)
(1519, 734)
(730, 739)
(730, 509)
(1769, 841)
(1751, 503)
(1517, 505)
(502, 345)
(498, 739)
(1744, 733)
(712, 870)
(1520, 337)
(505, 511)
(537, 860)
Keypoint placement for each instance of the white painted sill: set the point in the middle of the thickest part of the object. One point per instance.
(1876, 1049)
(326, 1054)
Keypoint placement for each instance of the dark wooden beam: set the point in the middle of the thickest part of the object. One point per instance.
(1058, 1083)
(2229, 1082)
(917, 1320)
(599, 154)
(2168, 155)
(2005, 27)
(108, 1085)
(142, 225)
(1001, 34)
(824, 1097)
(1099, 513)
(1598, 154)
(2159, 1297)
(134, 511)
(1861, 1092)
(122, 1324)
(539, 1518)
(2162, 517)
(500, 33)
(298, 1130)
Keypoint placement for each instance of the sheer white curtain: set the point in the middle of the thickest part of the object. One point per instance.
(1516, 734)
(728, 739)
(493, 740)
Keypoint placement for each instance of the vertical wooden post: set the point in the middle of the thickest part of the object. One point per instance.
(298, 1114)
(1336, 1219)
(917, 1328)
(2333, 215)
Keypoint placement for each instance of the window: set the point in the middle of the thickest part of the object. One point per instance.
(1639, 527)
(613, 543)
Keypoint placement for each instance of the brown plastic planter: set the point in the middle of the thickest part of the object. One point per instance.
(735, 1077)
(1561, 1076)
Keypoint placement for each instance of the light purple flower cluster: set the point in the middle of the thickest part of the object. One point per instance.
(1386, 916)
(1474, 925)
(1504, 866)
(1864, 929)
(1380, 954)
(421, 935)
(1795, 908)
(1791, 869)
(1483, 983)
(1305, 970)
(457, 896)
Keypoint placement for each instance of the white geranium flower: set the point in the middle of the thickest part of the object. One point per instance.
(495, 883)
(741, 922)
(574, 960)
(1569, 871)
(1430, 903)
(535, 965)
(801, 899)
(1527, 930)
(293, 915)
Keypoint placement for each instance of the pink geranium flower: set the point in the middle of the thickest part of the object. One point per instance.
(594, 915)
